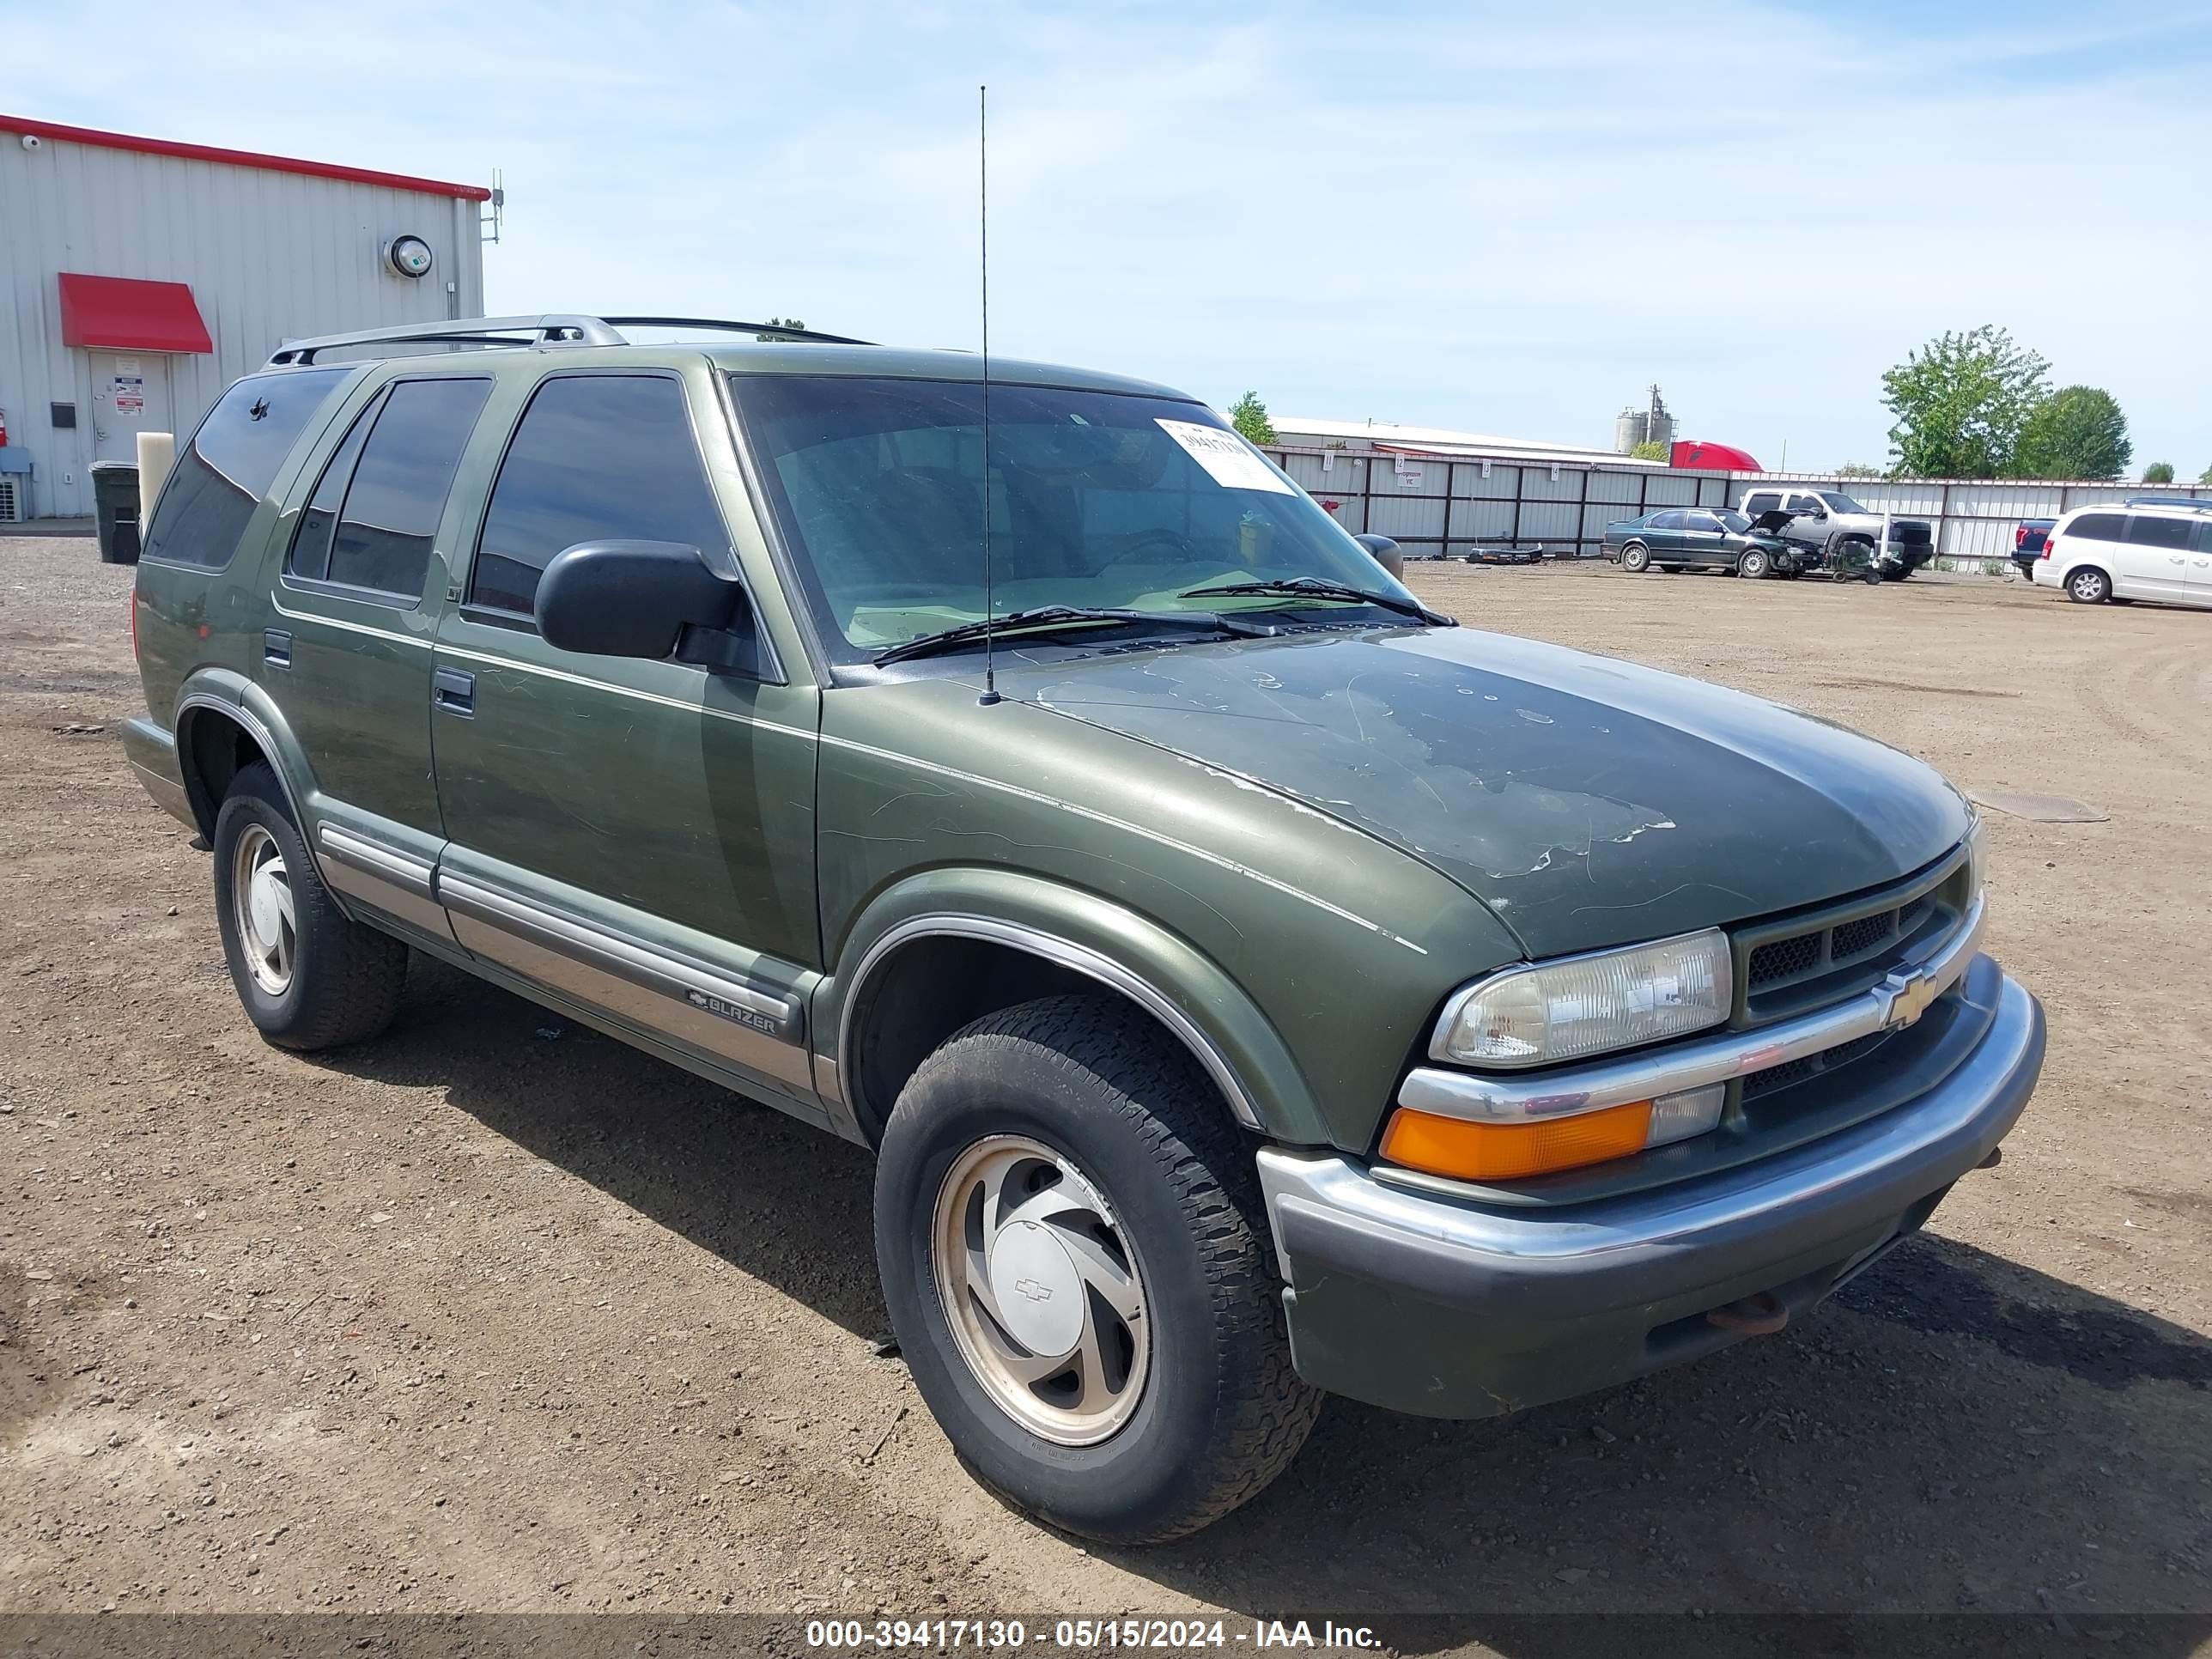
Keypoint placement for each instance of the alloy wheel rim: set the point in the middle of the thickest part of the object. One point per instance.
(263, 907)
(1045, 1297)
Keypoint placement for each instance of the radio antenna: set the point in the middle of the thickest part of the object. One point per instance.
(983, 242)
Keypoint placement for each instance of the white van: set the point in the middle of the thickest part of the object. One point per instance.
(2135, 551)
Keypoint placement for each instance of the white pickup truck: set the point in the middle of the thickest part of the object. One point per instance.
(1827, 520)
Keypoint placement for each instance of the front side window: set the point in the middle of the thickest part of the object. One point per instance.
(1094, 499)
(220, 476)
(1731, 520)
(596, 458)
(1839, 502)
(382, 541)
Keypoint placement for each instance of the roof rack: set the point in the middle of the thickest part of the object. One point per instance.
(555, 330)
(2195, 503)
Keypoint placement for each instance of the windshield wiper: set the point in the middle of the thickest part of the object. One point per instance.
(1321, 588)
(1049, 617)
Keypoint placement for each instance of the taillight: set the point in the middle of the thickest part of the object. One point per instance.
(2050, 541)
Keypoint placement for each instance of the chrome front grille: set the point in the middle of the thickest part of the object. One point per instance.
(1800, 963)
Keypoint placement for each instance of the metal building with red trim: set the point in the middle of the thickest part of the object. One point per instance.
(139, 276)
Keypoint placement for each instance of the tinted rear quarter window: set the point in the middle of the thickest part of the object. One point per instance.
(398, 487)
(318, 522)
(222, 475)
(595, 458)
(1666, 521)
(2098, 526)
(1761, 502)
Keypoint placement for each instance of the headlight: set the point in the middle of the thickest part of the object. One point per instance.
(1581, 1005)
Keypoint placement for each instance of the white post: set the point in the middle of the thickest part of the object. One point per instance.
(156, 450)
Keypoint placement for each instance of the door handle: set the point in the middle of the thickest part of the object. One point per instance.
(277, 648)
(454, 690)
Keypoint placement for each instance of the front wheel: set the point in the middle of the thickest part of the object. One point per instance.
(1635, 557)
(1075, 1261)
(1754, 564)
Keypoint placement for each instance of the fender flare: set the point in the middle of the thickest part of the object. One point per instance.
(1192, 996)
(223, 693)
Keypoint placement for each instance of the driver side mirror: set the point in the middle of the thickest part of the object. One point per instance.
(655, 600)
(1385, 553)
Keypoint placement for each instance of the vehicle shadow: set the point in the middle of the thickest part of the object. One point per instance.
(1955, 1434)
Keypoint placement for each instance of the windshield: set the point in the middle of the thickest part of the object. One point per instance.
(1839, 502)
(1096, 499)
(1733, 521)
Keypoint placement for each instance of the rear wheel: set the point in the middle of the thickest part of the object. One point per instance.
(2089, 585)
(1075, 1261)
(1635, 557)
(308, 977)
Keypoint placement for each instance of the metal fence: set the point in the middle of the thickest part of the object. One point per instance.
(1973, 517)
(1451, 506)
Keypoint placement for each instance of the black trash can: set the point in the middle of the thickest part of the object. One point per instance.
(115, 500)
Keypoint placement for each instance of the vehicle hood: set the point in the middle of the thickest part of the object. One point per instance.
(1586, 801)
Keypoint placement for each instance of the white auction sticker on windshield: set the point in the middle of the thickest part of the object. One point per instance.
(1227, 458)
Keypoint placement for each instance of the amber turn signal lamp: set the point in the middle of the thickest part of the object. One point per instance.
(1506, 1151)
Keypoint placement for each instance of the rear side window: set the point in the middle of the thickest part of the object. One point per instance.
(2098, 526)
(311, 544)
(596, 458)
(1667, 521)
(220, 477)
(1762, 500)
(2148, 530)
(397, 491)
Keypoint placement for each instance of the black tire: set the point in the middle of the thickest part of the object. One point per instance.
(1755, 563)
(344, 979)
(1635, 558)
(2089, 585)
(1221, 1412)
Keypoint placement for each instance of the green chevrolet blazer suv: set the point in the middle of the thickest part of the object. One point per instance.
(1251, 984)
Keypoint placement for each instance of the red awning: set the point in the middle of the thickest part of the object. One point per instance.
(133, 315)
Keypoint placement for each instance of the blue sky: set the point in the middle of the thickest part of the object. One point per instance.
(1509, 219)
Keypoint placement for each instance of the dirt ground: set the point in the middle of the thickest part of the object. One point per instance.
(489, 1314)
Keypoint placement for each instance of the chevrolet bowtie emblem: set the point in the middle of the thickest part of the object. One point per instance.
(1909, 993)
(1031, 1289)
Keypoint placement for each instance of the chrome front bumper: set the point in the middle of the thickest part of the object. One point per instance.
(1449, 1307)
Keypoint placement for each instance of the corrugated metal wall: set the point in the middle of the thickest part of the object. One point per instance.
(269, 256)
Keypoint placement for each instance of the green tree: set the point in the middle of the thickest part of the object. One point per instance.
(1250, 416)
(2159, 472)
(1960, 401)
(2205, 477)
(779, 322)
(2077, 431)
(1857, 470)
(1651, 450)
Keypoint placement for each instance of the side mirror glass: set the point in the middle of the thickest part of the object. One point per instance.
(650, 600)
(1384, 552)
